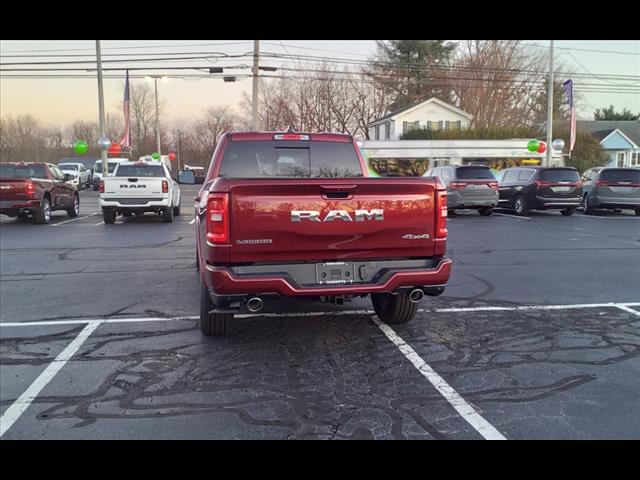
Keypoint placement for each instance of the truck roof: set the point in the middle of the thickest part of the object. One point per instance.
(264, 136)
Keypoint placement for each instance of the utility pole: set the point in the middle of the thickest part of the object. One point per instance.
(103, 149)
(179, 167)
(256, 61)
(550, 108)
(157, 121)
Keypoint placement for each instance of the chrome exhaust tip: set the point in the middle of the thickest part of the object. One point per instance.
(416, 295)
(254, 304)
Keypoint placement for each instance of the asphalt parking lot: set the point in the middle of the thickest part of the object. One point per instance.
(536, 336)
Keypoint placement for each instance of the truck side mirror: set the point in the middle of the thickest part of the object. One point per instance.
(187, 177)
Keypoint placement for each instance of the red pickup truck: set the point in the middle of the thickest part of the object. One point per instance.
(293, 214)
(34, 189)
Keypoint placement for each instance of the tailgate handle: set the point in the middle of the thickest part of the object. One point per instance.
(337, 191)
(132, 179)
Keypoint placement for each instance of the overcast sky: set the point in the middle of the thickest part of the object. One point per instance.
(61, 101)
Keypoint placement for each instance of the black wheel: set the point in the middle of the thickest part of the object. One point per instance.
(109, 217)
(176, 211)
(637, 210)
(520, 206)
(211, 324)
(74, 210)
(167, 215)
(567, 212)
(95, 188)
(586, 205)
(393, 309)
(126, 214)
(43, 214)
(486, 211)
(22, 216)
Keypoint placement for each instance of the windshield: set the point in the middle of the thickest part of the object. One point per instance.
(68, 166)
(560, 175)
(630, 175)
(19, 171)
(264, 159)
(140, 171)
(470, 173)
(98, 167)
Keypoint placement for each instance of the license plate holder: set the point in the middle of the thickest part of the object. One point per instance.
(335, 273)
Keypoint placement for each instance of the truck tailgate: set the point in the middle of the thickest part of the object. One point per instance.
(128, 187)
(327, 219)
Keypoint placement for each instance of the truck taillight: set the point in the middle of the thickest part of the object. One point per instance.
(290, 136)
(441, 214)
(30, 189)
(101, 187)
(165, 186)
(493, 185)
(457, 185)
(218, 218)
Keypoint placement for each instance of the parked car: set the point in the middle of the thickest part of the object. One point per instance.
(292, 214)
(612, 189)
(31, 189)
(97, 169)
(80, 175)
(137, 188)
(468, 187)
(540, 188)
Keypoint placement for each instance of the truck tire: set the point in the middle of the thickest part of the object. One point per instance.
(176, 211)
(567, 212)
(393, 309)
(586, 205)
(167, 215)
(486, 211)
(520, 206)
(637, 211)
(74, 210)
(211, 324)
(109, 217)
(43, 214)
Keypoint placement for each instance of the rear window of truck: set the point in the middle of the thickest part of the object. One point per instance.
(559, 175)
(472, 173)
(297, 159)
(632, 176)
(17, 171)
(140, 171)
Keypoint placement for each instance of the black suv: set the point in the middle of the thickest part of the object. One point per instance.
(540, 188)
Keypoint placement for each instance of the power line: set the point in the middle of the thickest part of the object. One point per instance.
(134, 47)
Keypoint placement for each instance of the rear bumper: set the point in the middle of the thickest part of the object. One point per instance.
(222, 281)
(615, 202)
(549, 202)
(455, 200)
(12, 207)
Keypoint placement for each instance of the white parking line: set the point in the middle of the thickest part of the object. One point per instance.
(79, 321)
(18, 407)
(512, 216)
(466, 411)
(621, 217)
(72, 220)
(627, 309)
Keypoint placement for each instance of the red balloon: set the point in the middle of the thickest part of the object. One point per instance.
(115, 148)
(172, 156)
(542, 148)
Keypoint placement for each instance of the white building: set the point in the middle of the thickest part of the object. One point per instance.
(432, 114)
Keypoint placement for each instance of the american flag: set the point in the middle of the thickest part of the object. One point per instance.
(126, 138)
(568, 91)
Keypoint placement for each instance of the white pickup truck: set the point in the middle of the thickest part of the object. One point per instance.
(137, 188)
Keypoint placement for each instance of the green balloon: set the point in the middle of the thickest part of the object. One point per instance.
(80, 147)
(533, 145)
(155, 155)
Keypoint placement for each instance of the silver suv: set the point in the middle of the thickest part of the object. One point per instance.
(468, 186)
(611, 188)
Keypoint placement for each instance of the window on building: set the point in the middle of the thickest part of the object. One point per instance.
(635, 159)
(459, 124)
(387, 131)
(446, 125)
(429, 127)
(620, 159)
(440, 125)
(377, 132)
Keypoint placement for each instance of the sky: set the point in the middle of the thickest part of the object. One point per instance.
(58, 101)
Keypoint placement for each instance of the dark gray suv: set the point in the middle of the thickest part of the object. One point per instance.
(468, 186)
(611, 188)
